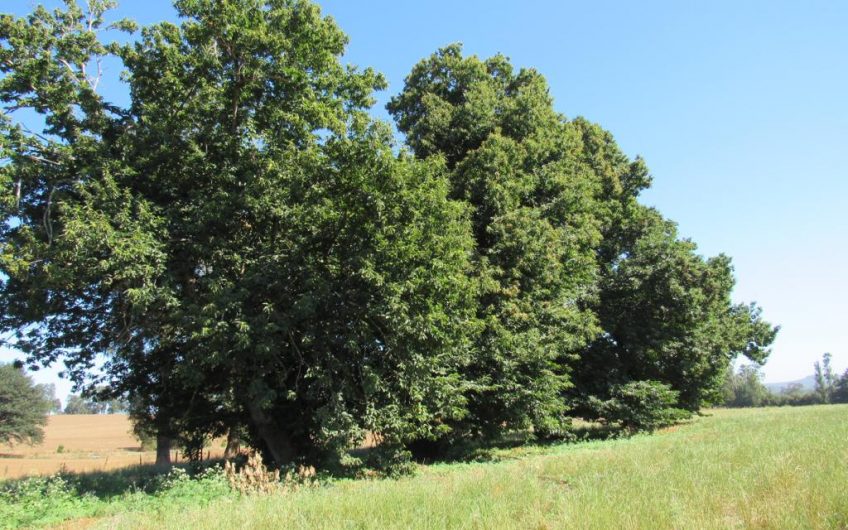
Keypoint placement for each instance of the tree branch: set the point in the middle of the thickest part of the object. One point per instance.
(40, 159)
(48, 222)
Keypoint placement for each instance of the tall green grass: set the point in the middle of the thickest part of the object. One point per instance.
(754, 468)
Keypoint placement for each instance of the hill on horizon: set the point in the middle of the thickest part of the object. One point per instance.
(807, 383)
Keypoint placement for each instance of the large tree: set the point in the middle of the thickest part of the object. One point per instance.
(23, 407)
(667, 315)
(584, 289)
(81, 253)
(241, 242)
(515, 162)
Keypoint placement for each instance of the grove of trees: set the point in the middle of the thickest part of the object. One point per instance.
(242, 248)
(77, 404)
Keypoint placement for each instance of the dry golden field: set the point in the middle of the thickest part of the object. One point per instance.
(89, 442)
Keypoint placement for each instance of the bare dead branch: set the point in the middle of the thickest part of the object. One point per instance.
(44, 160)
(71, 71)
(48, 222)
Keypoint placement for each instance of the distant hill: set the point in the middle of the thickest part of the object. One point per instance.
(808, 383)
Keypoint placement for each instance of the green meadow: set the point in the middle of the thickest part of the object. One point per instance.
(731, 468)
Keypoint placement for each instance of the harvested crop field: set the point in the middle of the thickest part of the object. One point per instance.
(80, 443)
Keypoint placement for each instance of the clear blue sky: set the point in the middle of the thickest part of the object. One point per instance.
(739, 108)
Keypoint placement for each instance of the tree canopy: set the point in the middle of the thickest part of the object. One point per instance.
(511, 160)
(256, 252)
(604, 291)
(245, 248)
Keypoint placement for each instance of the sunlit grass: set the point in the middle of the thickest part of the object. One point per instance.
(755, 468)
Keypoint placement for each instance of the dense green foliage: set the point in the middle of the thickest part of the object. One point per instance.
(584, 290)
(257, 255)
(23, 407)
(640, 406)
(511, 159)
(244, 250)
(667, 316)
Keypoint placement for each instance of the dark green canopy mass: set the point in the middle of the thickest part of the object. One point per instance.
(244, 249)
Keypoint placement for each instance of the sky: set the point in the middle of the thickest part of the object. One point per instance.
(740, 110)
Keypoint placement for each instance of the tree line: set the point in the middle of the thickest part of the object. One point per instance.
(79, 404)
(243, 249)
(744, 388)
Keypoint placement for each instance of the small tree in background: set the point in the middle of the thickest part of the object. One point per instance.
(23, 407)
(49, 391)
(81, 405)
(825, 380)
(840, 389)
(99, 403)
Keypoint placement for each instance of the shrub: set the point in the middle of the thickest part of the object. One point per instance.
(42, 501)
(390, 460)
(640, 406)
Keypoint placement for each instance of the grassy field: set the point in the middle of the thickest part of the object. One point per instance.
(755, 468)
(79, 443)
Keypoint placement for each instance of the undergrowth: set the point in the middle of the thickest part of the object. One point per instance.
(41, 501)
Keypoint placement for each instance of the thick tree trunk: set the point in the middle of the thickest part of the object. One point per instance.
(163, 451)
(275, 439)
(233, 444)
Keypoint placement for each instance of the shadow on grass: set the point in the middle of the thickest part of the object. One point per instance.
(105, 485)
(151, 479)
(511, 445)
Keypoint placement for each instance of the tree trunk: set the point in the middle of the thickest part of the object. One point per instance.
(275, 439)
(233, 444)
(163, 451)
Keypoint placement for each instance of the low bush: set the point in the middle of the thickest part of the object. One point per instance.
(640, 406)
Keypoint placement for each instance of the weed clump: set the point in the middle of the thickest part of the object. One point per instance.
(254, 477)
